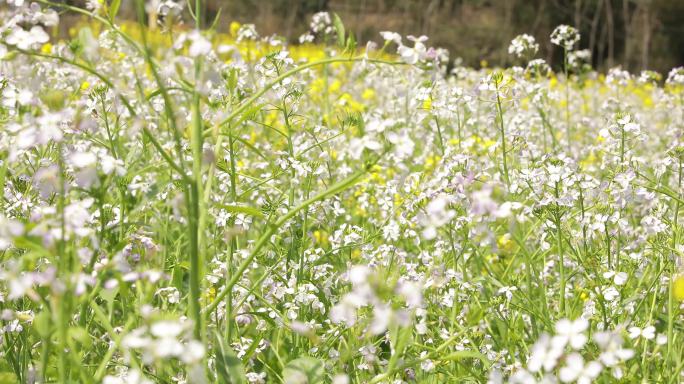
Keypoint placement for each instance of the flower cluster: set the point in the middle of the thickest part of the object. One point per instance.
(523, 46)
(565, 36)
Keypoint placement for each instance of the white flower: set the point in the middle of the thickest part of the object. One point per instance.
(579, 59)
(357, 145)
(426, 365)
(436, 215)
(247, 32)
(619, 278)
(321, 22)
(167, 347)
(136, 339)
(199, 45)
(610, 293)
(256, 378)
(391, 36)
(610, 344)
(82, 159)
(411, 292)
(573, 331)
(93, 5)
(565, 36)
(522, 376)
(9, 228)
(653, 225)
(676, 76)
(415, 54)
(545, 353)
(403, 145)
(132, 376)
(170, 7)
(344, 311)
(23, 39)
(647, 333)
(110, 164)
(495, 377)
(382, 316)
(166, 329)
(507, 291)
(576, 370)
(523, 45)
(340, 379)
(193, 353)
(358, 274)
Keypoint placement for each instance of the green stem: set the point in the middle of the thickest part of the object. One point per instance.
(670, 298)
(561, 256)
(502, 131)
(567, 99)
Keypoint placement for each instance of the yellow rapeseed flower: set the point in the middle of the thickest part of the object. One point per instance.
(234, 28)
(368, 94)
(506, 243)
(678, 287)
(46, 48)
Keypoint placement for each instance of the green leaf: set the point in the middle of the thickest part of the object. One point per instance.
(228, 366)
(304, 370)
(41, 323)
(250, 113)
(216, 20)
(114, 9)
(460, 355)
(8, 377)
(351, 44)
(80, 335)
(339, 29)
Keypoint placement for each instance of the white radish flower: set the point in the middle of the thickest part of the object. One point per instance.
(573, 331)
(647, 333)
(576, 371)
(619, 278)
(30, 39)
(199, 45)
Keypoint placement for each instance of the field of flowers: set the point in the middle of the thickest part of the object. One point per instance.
(184, 206)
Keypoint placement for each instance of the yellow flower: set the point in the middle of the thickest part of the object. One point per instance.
(356, 254)
(209, 294)
(46, 48)
(234, 28)
(553, 82)
(431, 162)
(506, 243)
(321, 237)
(335, 86)
(678, 287)
(368, 94)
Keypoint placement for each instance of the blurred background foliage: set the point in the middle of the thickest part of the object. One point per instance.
(637, 34)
